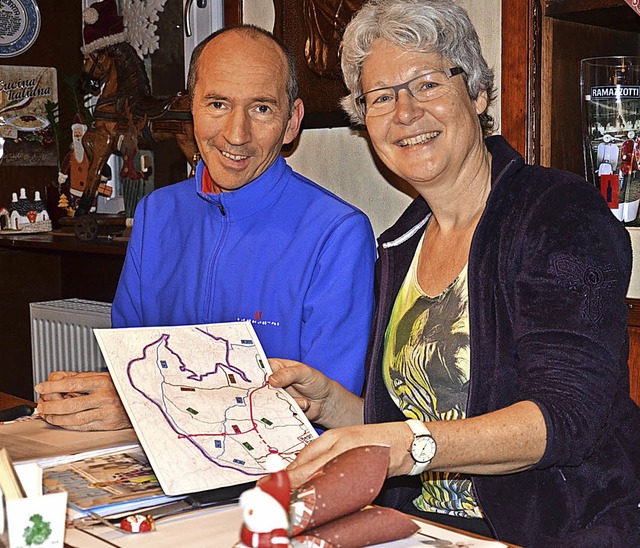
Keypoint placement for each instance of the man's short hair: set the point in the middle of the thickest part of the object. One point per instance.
(254, 31)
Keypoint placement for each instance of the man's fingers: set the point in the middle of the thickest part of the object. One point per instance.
(59, 375)
(91, 415)
(67, 406)
(80, 383)
(50, 397)
(83, 421)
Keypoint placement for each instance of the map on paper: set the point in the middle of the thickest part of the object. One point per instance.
(198, 399)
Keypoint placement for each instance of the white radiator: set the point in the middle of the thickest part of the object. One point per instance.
(62, 336)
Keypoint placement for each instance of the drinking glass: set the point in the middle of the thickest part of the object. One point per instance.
(610, 89)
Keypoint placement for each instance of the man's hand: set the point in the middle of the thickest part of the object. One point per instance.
(81, 401)
(396, 435)
(323, 400)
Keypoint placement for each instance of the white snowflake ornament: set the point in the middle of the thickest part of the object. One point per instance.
(140, 17)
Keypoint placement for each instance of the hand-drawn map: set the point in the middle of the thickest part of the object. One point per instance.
(198, 399)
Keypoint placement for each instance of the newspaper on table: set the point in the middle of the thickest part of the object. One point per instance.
(106, 482)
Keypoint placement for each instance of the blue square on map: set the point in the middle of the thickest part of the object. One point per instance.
(218, 444)
(163, 364)
(239, 399)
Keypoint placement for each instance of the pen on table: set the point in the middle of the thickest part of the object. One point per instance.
(16, 412)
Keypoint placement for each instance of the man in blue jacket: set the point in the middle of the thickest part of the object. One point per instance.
(245, 239)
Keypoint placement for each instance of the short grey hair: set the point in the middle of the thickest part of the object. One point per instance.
(431, 26)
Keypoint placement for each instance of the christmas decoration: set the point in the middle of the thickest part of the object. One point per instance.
(140, 17)
(27, 215)
(137, 523)
(126, 117)
(265, 509)
(331, 509)
(137, 25)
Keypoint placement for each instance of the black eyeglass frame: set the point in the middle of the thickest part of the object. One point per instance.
(449, 73)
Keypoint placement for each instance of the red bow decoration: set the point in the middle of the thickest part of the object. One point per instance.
(635, 5)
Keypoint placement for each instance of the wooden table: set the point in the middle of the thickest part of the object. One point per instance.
(7, 400)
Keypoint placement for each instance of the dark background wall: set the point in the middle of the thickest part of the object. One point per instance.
(58, 45)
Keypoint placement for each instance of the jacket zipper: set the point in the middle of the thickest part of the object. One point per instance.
(214, 259)
(221, 207)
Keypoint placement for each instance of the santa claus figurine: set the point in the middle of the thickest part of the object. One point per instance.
(265, 509)
(75, 165)
(137, 523)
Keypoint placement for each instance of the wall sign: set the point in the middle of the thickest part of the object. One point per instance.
(19, 26)
(26, 135)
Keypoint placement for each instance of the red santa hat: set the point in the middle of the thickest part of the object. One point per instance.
(278, 486)
(78, 122)
(102, 26)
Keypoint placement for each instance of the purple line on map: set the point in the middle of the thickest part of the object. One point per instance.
(164, 340)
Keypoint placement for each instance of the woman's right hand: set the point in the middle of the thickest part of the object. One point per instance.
(323, 400)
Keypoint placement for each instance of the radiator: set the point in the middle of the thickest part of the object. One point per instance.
(62, 336)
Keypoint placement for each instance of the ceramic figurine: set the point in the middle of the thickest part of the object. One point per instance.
(137, 523)
(265, 510)
(26, 215)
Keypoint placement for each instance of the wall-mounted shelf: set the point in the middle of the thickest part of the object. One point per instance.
(612, 14)
(57, 242)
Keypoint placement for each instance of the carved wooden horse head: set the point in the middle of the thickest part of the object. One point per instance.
(117, 76)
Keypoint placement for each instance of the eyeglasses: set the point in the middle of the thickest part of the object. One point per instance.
(426, 87)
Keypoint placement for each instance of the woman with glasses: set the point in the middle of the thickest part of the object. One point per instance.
(497, 364)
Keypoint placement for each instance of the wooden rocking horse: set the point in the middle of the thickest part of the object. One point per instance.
(127, 111)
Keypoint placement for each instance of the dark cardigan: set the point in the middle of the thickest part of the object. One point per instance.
(548, 273)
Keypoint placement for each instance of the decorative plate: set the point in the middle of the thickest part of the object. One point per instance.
(28, 122)
(20, 21)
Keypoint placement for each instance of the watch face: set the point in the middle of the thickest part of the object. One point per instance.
(423, 449)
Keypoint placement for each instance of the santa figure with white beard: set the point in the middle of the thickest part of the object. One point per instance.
(75, 166)
(265, 509)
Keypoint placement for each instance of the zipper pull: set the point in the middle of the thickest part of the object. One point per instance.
(221, 208)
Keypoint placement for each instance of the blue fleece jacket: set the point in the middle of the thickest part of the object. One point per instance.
(281, 252)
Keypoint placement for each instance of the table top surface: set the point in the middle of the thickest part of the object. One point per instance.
(7, 400)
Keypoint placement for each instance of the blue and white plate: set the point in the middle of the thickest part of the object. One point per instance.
(21, 25)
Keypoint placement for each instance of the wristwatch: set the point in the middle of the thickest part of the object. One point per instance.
(423, 447)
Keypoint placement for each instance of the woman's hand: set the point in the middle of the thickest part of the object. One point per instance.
(323, 400)
(81, 401)
(396, 435)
